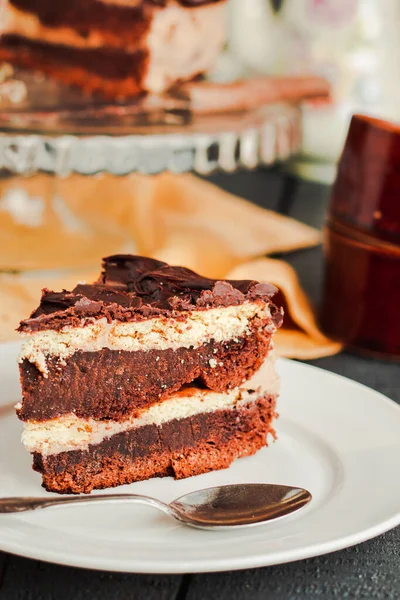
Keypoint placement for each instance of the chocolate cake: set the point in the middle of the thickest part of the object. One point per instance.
(118, 47)
(151, 371)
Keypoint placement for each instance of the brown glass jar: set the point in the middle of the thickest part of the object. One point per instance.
(361, 303)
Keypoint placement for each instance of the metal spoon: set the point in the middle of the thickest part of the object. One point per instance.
(223, 507)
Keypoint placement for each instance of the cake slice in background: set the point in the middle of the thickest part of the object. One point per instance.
(118, 47)
(151, 371)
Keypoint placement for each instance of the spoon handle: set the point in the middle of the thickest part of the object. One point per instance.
(12, 505)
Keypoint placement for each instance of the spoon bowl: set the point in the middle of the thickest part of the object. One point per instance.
(240, 505)
(222, 507)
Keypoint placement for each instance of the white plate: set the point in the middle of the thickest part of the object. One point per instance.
(337, 438)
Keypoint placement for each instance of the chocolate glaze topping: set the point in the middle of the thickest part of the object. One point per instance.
(134, 288)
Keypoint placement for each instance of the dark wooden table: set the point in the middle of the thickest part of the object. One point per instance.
(370, 571)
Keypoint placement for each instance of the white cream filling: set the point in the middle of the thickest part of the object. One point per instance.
(181, 41)
(70, 432)
(160, 333)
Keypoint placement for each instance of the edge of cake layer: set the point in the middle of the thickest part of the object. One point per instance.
(178, 448)
(70, 432)
(149, 52)
(183, 42)
(173, 37)
(193, 329)
(114, 384)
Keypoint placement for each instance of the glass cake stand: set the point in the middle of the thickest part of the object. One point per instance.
(50, 128)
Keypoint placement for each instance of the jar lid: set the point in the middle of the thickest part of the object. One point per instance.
(366, 192)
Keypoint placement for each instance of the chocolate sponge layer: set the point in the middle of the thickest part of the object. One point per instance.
(92, 69)
(111, 384)
(179, 448)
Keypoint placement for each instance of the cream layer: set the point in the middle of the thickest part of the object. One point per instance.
(160, 333)
(175, 40)
(184, 42)
(69, 432)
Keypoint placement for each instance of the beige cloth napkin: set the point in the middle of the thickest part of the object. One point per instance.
(177, 218)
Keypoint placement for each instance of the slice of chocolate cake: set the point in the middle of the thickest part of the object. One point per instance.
(118, 47)
(151, 371)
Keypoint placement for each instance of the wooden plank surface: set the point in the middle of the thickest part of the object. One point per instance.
(370, 571)
(25, 579)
